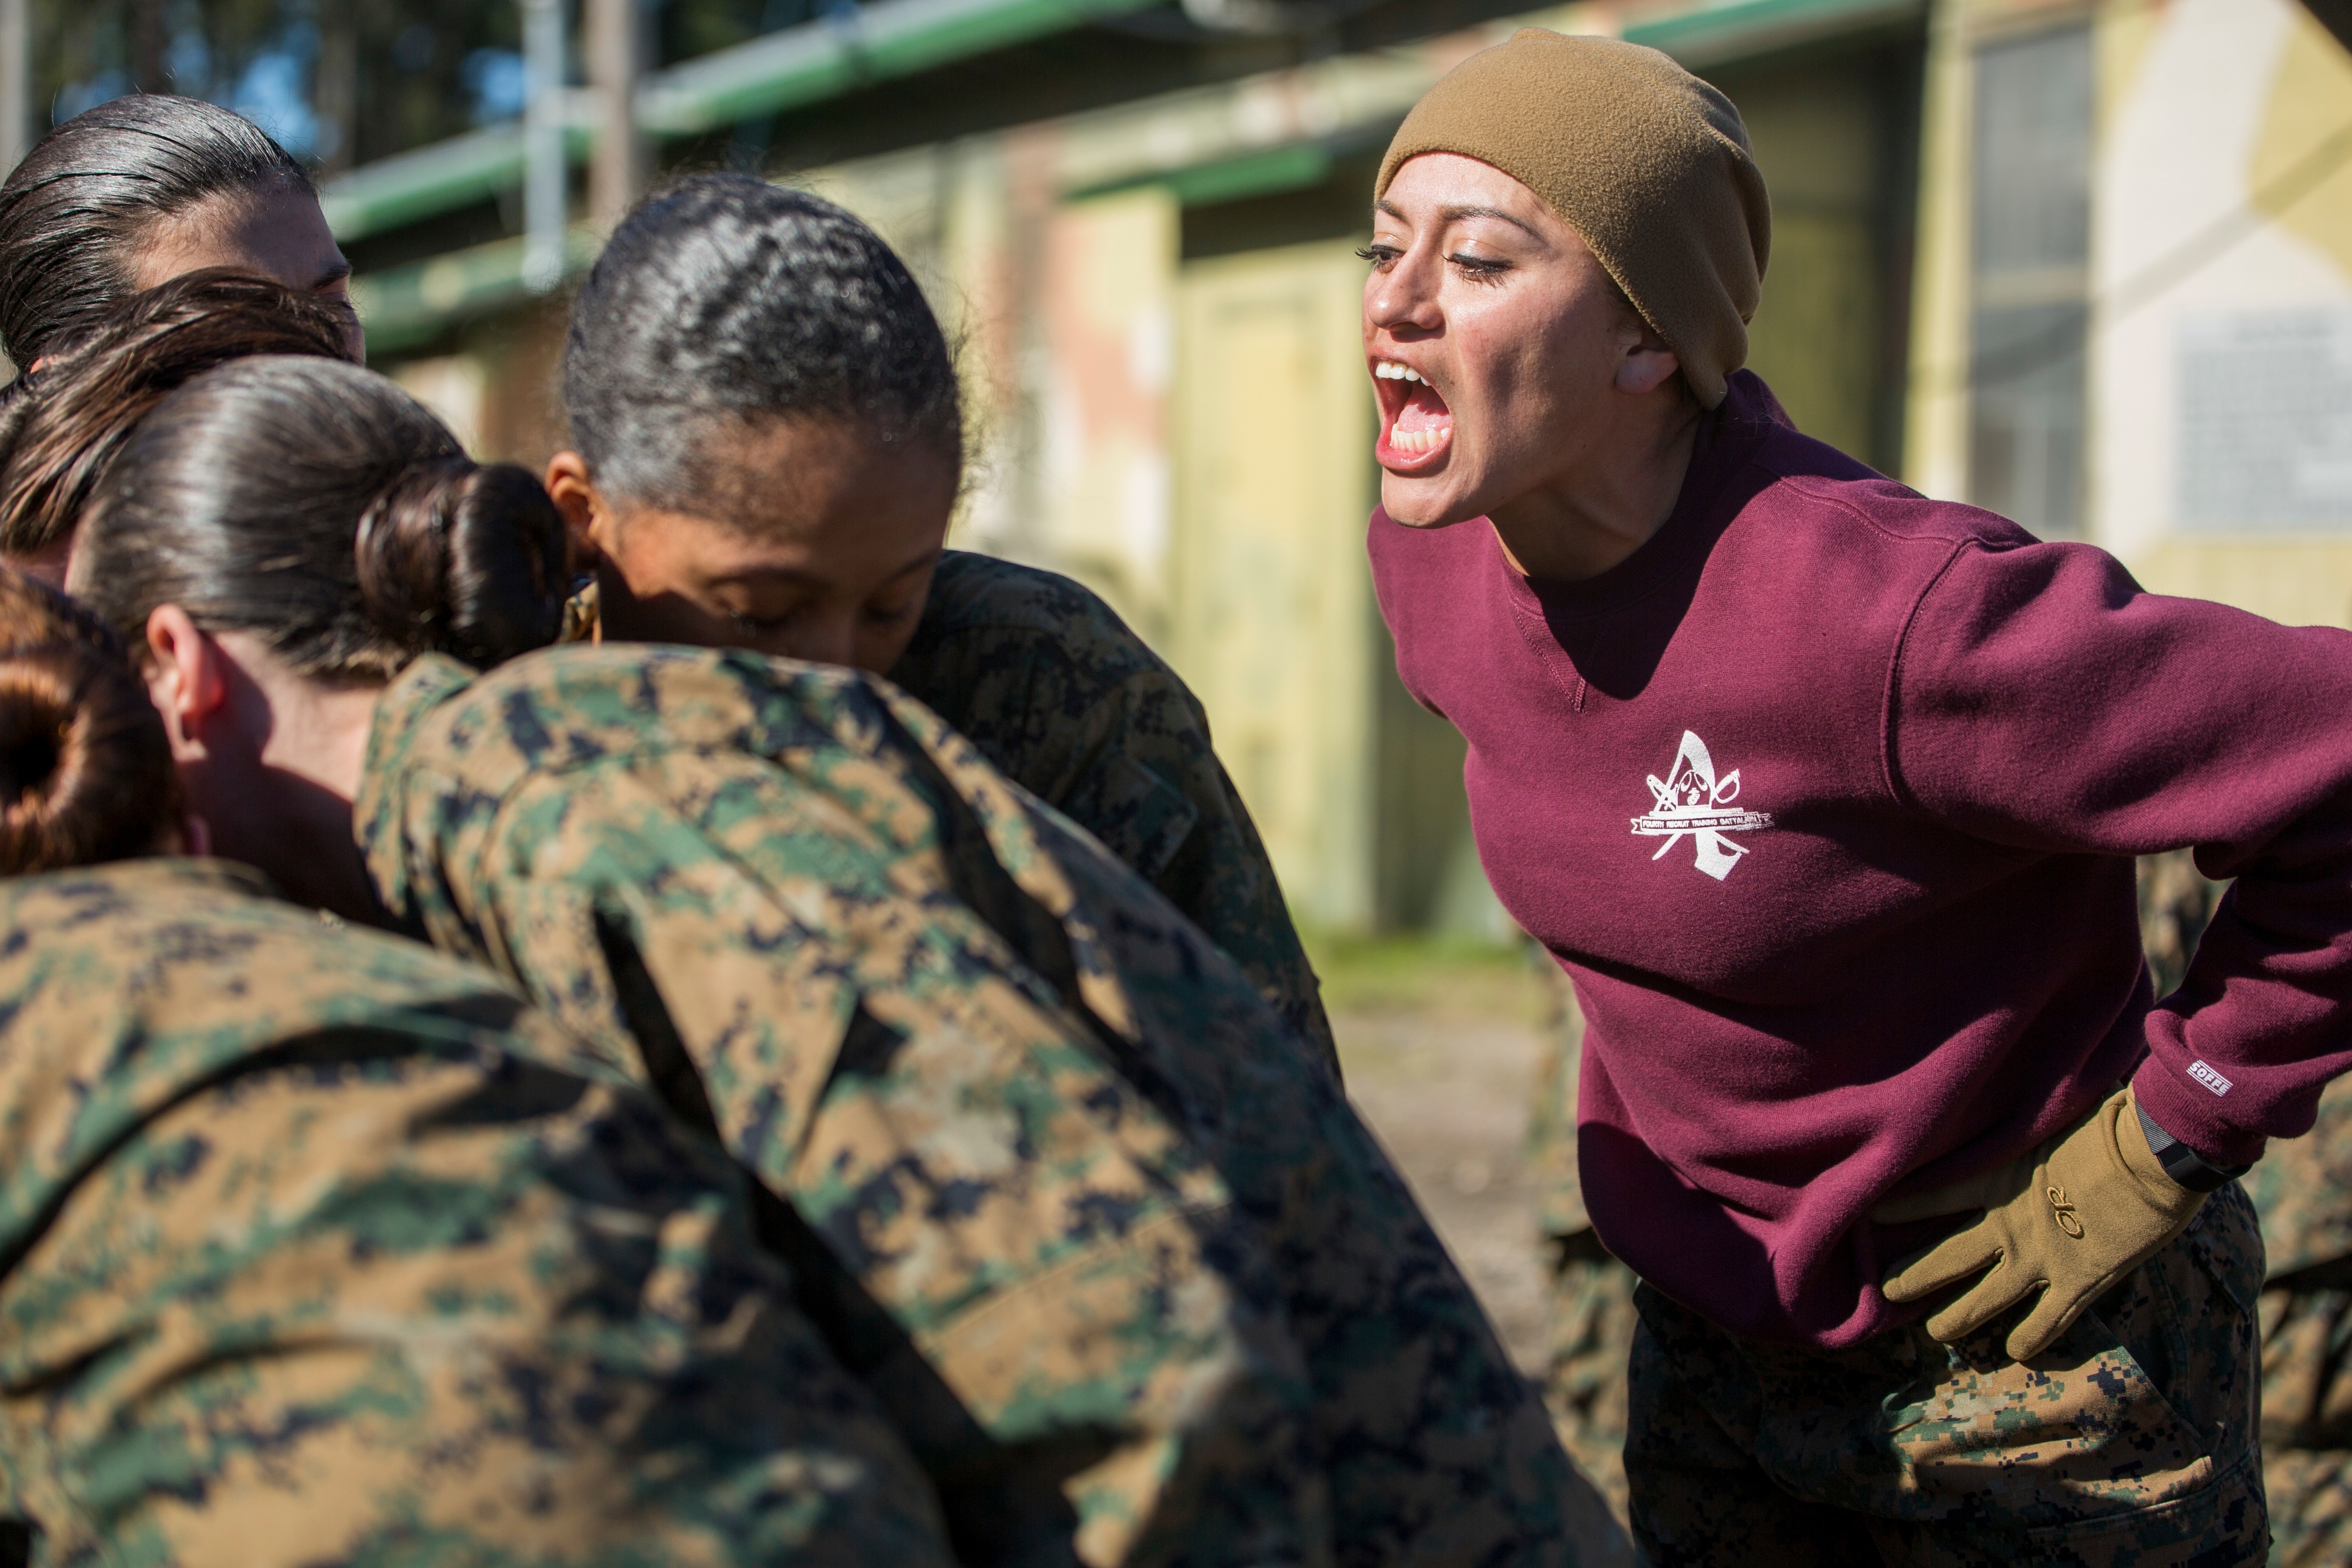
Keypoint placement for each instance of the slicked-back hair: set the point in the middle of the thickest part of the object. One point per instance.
(76, 212)
(724, 301)
(324, 510)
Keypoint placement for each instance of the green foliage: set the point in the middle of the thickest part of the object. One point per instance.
(341, 82)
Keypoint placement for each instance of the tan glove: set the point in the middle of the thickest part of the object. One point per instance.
(2069, 1220)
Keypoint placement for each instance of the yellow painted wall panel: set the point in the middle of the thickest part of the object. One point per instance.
(1271, 607)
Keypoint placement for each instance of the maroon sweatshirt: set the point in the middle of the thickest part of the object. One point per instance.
(1827, 798)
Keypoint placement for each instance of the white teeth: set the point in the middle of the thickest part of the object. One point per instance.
(1416, 440)
(1389, 370)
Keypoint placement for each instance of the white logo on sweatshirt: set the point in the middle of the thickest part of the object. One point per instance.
(1694, 802)
(2208, 1077)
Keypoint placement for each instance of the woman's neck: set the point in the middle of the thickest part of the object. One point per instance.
(1593, 516)
(311, 759)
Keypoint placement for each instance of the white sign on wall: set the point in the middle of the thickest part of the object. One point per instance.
(2264, 438)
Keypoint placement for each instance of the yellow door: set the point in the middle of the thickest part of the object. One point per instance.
(1271, 616)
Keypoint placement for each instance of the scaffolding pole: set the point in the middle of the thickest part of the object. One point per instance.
(545, 176)
(613, 31)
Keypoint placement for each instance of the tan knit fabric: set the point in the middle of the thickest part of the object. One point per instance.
(1648, 163)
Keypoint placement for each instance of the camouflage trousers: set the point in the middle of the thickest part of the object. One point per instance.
(2306, 1322)
(1592, 1302)
(2130, 1444)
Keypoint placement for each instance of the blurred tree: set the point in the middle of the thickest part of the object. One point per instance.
(340, 82)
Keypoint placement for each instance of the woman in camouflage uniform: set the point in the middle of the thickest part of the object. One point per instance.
(1125, 1271)
(320, 1248)
(768, 450)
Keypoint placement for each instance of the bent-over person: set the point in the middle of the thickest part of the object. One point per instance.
(316, 1246)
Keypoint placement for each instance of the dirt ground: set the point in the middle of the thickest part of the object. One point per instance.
(1440, 1053)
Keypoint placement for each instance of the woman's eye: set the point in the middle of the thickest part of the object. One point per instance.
(1480, 267)
(756, 626)
(1378, 255)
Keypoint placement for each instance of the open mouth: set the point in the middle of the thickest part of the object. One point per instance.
(1416, 427)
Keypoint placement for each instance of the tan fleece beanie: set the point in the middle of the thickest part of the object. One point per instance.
(1648, 162)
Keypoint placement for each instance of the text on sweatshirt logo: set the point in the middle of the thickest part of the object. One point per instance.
(1694, 803)
(2208, 1077)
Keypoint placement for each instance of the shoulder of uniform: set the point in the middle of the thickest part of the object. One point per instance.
(215, 928)
(124, 987)
(577, 705)
(985, 593)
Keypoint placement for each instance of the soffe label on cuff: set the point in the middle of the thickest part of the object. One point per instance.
(2208, 1077)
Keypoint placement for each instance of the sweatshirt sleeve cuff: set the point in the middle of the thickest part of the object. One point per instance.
(2193, 1105)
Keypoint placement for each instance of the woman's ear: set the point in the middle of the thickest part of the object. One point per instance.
(575, 497)
(1648, 365)
(185, 678)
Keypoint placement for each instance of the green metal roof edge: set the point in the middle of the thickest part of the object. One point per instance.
(403, 306)
(1292, 166)
(453, 174)
(1715, 34)
(797, 66)
(821, 59)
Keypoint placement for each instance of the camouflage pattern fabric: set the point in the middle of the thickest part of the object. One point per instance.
(2130, 1444)
(1066, 702)
(322, 1248)
(2303, 1188)
(1119, 1260)
(1069, 703)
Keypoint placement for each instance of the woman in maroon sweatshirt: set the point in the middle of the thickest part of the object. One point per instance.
(1827, 796)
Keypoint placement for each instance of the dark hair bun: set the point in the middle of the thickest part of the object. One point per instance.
(463, 559)
(85, 771)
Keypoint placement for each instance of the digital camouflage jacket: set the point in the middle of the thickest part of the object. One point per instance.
(322, 1248)
(1122, 1264)
(1068, 702)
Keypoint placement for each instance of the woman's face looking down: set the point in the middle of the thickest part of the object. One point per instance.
(811, 539)
(277, 230)
(1503, 355)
